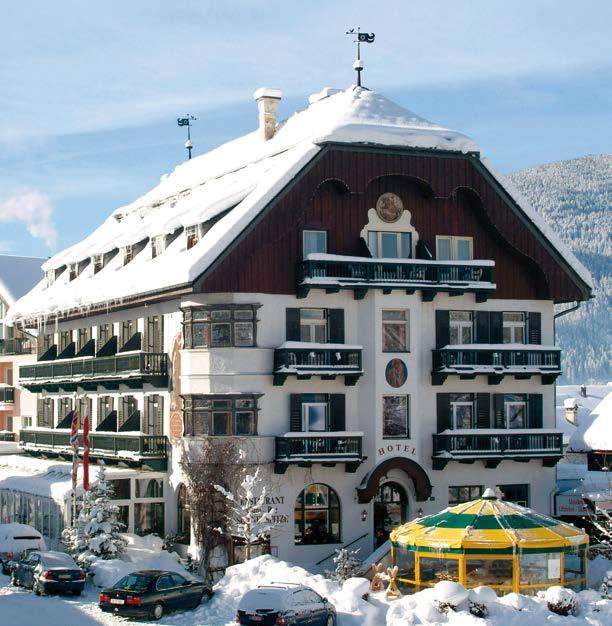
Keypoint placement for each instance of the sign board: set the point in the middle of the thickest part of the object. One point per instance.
(554, 568)
(569, 505)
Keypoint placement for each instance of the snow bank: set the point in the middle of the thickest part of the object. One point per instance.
(141, 553)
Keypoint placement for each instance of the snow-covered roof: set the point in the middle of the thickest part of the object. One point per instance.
(599, 434)
(232, 184)
(567, 395)
(18, 274)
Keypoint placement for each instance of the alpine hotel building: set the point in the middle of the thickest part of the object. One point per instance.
(353, 294)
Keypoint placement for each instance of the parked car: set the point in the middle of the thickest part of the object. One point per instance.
(15, 541)
(284, 604)
(49, 572)
(151, 593)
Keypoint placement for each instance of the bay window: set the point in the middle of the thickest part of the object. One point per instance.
(234, 415)
(220, 326)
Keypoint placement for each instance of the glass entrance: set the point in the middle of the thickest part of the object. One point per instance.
(390, 511)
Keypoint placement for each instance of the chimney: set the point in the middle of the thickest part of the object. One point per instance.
(267, 99)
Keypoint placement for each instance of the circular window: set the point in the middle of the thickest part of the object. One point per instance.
(389, 207)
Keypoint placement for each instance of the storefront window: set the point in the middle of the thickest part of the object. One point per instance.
(317, 516)
(149, 518)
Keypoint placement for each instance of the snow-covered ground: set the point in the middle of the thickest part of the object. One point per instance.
(23, 608)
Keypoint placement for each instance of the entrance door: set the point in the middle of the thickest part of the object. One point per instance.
(390, 511)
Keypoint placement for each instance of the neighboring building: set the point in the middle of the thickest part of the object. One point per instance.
(353, 295)
(17, 276)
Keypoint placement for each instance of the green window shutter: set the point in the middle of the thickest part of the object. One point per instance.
(295, 413)
(293, 324)
(534, 328)
(498, 410)
(535, 411)
(482, 324)
(336, 325)
(337, 412)
(444, 413)
(442, 328)
(483, 410)
(496, 332)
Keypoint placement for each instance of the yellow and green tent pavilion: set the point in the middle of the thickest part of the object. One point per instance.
(490, 542)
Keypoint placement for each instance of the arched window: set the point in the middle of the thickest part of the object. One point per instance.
(317, 516)
(183, 516)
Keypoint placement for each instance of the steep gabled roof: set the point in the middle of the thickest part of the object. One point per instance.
(232, 185)
(18, 274)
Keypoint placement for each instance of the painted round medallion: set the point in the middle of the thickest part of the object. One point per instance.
(389, 207)
(396, 373)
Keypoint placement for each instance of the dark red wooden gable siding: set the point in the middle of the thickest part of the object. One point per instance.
(445, 195)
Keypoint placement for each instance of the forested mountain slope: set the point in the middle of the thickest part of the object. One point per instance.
(575, 198)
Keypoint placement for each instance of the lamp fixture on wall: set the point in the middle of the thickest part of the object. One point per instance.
(364, 515)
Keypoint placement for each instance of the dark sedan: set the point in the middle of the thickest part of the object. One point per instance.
(151, 593)
(49, 572)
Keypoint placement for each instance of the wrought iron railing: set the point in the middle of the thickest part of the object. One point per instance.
(17, 345)
(313, 446)
(499, 444)
(145, 363)
(317, 359)
(497, 358)
(102, 444)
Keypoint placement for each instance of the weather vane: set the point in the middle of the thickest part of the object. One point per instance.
(186, 121)
(361, 38)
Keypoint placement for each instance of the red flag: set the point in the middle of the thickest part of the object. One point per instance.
(86, 445)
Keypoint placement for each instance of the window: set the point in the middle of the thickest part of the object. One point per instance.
(98, 262)
(149, 488)
(514, 327)
(105, 333)
(45, 342)
(73, 271)
(515, 411)
(462, 410)
(313, 325)
(453, 248)
(314, 241)
(83, 406)
(65, 339)
(220, 326)
(106, 406)
(396, 331)
(519, 494)
(183, 516)
(460, 327)
(396, 418)
(127, 407)
(459, 495)
(158, 245)
(64, 408)
(128, 254)
(153, 421)
(193, 235)
(128, 330)
(220, 415)
(45, 413)
(314, 416)
(50, 277)
(317, 516)
(149, 518)
(389, 245)
(154, 334)
(121, 488)
(83, 337)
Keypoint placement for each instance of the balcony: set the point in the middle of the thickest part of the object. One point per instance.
(333, 272)
(19, 345)
(496, 361)
(304, 449)
(7, 397)
(133, 369)
(131, 449)
(493, 446)
(327, 360)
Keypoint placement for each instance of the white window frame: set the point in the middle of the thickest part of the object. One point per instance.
(313, 230)
(313, 324)
(305, 421)
(405, 322)
(195, 231)
(512, 325)
(507, 405)
(128, 253)
(398, 243)
(50, 276)
(460, 325)
(454, 416)
(73, 271)
(454, 241)
(97, 260)
(158, 245)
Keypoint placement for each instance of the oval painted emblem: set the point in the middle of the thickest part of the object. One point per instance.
(389, 207)
(176, 426)
(396, 372)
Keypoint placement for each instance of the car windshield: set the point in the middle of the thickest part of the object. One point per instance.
(134, 582)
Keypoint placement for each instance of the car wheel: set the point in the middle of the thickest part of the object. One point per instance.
(36, 588)
(206, 596)
(76, 592)
(330, 621)
(157, 611)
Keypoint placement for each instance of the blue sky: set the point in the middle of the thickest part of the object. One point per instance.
(91, 91)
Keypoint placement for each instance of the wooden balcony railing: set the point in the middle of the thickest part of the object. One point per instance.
(7, 395)
(333, 272)
(328, 448)
(115, 446)
(18, 345)
(135, 366)
(497, 362)
(497, 445)
(304, 360)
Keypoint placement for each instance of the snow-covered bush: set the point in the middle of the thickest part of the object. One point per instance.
(449, 595)
(102, 530)
(561, 601)
(359, 587)
(479, 600)
(347, 565)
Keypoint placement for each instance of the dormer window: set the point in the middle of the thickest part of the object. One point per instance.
(50, 276)
(73, 269)
(193, 235)
(128, 254)
(157, 245)
(98, 262)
